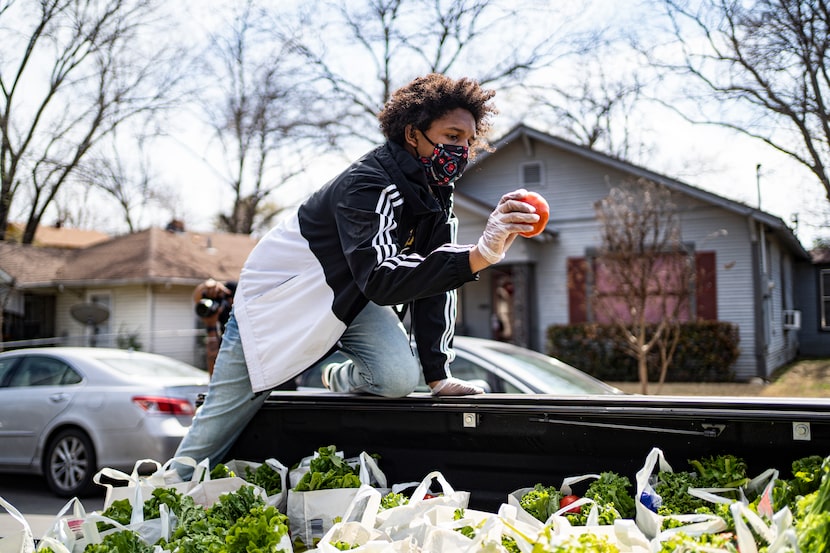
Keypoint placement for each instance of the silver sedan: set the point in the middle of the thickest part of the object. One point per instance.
(498, 367)
(67, 412)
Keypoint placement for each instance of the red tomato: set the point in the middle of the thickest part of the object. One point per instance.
(429, 496)
(567, 500)
(542, 210)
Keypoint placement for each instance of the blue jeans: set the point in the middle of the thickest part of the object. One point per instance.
(382, 362)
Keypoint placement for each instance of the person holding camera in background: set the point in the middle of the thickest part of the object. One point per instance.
(382, 234)
(213, 305)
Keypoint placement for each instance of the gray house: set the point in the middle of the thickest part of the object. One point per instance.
(746, 259)
(144, 281)
(813, 298)
(751, 269)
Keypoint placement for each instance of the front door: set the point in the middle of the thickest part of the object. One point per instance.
(511, 317)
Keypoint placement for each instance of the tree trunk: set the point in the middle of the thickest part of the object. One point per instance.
(642, 371)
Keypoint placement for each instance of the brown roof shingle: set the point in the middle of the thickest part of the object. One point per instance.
(58, 237)
(31, 265)
(152, 255)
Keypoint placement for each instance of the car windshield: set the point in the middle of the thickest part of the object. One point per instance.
(547, 373)
(142, 366)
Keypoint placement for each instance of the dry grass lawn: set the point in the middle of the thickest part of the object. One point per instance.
(804, 378)
(807, 378)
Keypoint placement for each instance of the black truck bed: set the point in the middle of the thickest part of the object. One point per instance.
(493, 444)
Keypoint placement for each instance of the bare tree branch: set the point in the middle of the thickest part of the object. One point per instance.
(100, 74)
(389, 42)
(261, 110)
(759, 68)
(595, 113)
(642, 272)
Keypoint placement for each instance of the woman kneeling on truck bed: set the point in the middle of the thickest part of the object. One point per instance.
(380, 234)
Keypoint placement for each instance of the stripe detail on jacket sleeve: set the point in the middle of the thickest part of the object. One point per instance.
(384, 244)
(449, 330)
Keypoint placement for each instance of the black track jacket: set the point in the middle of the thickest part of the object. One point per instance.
(377, 232)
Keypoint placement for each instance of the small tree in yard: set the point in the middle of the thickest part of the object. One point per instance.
(642, 274)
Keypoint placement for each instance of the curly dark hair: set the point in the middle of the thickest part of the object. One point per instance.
(430, 97)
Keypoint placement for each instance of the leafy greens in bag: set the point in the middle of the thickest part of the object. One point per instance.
(328, 471)
(541, 502)
(612, 495)
(239, 522)
(813, 515)
(124, 541)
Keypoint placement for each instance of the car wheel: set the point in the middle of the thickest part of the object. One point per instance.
(69, 463)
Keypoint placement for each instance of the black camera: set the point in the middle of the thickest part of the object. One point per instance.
(211, 306)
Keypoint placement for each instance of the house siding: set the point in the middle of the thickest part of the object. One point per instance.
(782, 345)
(174, 324)
(125, 317)
(160, 318)
(132, 315)
(65, 325)
(475, 303)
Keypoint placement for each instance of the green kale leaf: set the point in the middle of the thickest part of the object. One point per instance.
(541, 502)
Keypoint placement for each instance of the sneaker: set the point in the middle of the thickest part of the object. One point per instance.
(326, 375)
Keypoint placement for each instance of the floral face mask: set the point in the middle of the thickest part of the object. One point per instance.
(446, 163)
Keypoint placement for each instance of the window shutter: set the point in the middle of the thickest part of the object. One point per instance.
(707, 291)
(577, 290)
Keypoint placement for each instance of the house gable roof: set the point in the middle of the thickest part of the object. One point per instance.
(525, 134)
(149, 256)
(26, 265)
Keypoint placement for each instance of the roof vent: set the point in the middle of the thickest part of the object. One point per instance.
(531, 174)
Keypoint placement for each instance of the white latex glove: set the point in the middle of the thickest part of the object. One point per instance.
(510, 217)
(455, 387)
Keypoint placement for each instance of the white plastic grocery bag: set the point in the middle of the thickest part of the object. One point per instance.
(66, 529)
(514, 498)
(525, 533)
(312, 513)
(126, 482)
(363, 461)
(623, 533)
(149, 531)
(207, 492)
(357, 528)
(163, 477)
(407, 520)
(444, 522)
(559, 516)
(279, 499)
(778, 536)
(761, 485)
(649, 521)
(52, 544)
(21, 541)
(441, 538)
